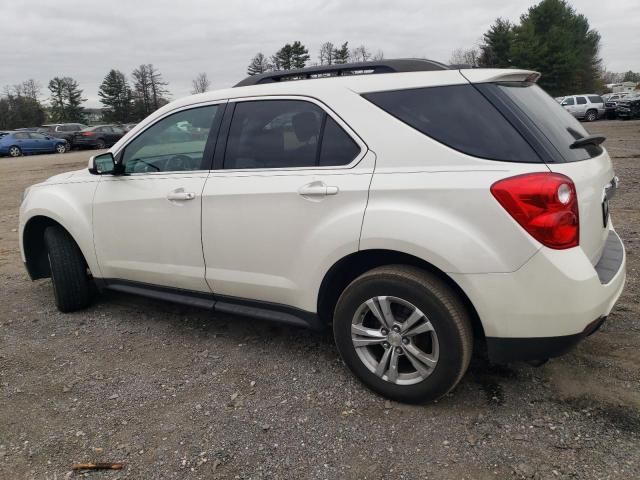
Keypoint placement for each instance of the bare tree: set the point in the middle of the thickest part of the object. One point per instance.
(200, 84)
(379, 55)
(360, 54)
(465, 57)
(327, 54)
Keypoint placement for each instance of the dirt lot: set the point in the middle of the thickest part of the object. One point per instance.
(176, 392)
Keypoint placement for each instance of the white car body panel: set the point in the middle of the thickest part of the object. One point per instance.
(142, 236)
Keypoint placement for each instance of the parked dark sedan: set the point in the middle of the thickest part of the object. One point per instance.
(62, 130)
(629, 107)
(100, 136)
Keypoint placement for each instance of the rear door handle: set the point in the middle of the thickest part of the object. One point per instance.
(180, 196)
(317, 189)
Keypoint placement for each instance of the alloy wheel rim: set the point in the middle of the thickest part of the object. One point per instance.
(14, 151)
(395, 340)
(61, 148)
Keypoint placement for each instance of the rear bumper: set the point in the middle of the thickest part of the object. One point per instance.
(550, 303)
(505, 350)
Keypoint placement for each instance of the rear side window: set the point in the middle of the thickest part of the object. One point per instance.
(557, 126)
(285, 134)
(460, 117)
(595, 99)
(337, 147)
(581, 100)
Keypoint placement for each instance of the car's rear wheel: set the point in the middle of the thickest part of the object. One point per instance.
(404, 333)
(15, 151)
(71, 282)
(100, 144)
(591, 116)
(61, 148)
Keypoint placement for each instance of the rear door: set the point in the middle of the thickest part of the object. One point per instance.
(285, 201)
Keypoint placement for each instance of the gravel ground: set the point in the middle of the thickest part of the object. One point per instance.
(176, 392)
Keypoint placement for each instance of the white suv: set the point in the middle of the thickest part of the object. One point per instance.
(418, 210)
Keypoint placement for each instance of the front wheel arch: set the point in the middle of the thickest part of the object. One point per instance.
(35, 253)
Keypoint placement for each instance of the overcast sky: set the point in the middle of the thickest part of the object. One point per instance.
(83, 39)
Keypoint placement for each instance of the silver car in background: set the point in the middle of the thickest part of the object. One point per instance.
(588, 107)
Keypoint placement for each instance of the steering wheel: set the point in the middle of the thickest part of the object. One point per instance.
(179, 163)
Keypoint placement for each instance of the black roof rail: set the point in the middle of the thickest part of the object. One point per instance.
(378, 66)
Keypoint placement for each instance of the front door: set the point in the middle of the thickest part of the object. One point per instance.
(286, 200)
(147, 222)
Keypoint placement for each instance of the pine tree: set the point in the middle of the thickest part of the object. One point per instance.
(496, 46)
(299, 55)
(57, 100)
(66, 100)
(282, 58)
(556, 41)
(341, 55)
(258, 65)
(115, 94)
(74, 110)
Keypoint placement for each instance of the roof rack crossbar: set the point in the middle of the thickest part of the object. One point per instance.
(381, 66)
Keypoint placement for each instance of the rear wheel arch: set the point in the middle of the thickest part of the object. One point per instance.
(348, 268)
(33, 244)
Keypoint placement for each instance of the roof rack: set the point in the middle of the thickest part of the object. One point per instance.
(381, 66)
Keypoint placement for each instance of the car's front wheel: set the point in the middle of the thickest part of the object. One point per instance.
(71, 282)
(404, 333)
(15, 151)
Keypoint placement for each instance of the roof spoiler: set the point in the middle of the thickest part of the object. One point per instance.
(487, 75)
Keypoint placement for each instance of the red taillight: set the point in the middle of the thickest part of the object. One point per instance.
(545, 204)
(87, 134)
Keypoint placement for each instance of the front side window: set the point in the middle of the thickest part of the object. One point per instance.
(569, 101)
(285, 134)
(175, 143)
(581, 100)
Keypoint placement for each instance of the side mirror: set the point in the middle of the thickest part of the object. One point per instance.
(102, 164)
(564, 104)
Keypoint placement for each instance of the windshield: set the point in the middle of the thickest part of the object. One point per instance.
(559, 127)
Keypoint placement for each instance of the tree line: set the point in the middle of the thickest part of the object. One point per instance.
(296, 55)
(123, 101)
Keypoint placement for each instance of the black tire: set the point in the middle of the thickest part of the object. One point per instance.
(591, 116)
(71, 283)
(15, 151)
(100, 144)
(440, 304)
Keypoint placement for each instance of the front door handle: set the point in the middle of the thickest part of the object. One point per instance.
(180, 196)
(317, 189)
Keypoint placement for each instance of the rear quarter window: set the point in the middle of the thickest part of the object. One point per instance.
(595, 99)
(460, 117)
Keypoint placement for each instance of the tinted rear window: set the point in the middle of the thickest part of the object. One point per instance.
(557, 125)
(460, 117)
(595, 99)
